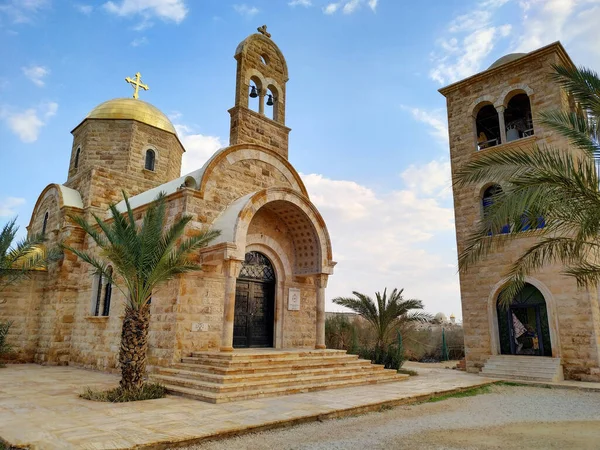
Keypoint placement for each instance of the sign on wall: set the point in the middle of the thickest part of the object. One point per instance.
(294, 299)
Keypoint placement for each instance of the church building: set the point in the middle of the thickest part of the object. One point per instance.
(551, 330)
(263, 280)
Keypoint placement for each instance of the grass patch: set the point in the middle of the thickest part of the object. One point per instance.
(412, 373)
(148, 391)
(461, 394)
(511, 384)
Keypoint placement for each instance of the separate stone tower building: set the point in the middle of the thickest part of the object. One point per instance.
(552, 328)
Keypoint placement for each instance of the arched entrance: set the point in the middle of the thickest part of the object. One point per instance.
(254, 303)
(523, 326)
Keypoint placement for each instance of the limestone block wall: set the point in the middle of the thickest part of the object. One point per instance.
(20, 304)
(576, 316)
(250, 127)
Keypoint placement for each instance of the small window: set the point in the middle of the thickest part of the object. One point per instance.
(76, 164)
(264, 59)
(107, 294)
(45, 224)
(150, 160)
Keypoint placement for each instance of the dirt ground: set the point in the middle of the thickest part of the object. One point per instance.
(507, 417)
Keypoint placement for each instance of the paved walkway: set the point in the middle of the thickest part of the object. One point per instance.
(40, 408)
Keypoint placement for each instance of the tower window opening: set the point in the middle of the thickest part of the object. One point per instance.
(488, 127)
(76, 164)
(272, 101)
(45, 224)
(489, 196)
(264, 59)
(150, 160)
(517, 117)
(256, 101)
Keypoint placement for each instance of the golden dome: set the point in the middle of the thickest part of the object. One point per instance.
(135, 109)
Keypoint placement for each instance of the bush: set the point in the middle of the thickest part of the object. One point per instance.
(149, 391)
(391, 356)
(5, 347)
(425, 344)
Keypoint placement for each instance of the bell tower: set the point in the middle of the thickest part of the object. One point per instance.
(261, 76)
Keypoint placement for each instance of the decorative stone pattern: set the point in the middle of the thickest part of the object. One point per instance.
(573, 313)
(55, 323)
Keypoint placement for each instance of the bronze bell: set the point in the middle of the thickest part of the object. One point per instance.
(253, 93)
(269, 100)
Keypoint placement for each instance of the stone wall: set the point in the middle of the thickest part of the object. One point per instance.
(575, 320)
(250, 127)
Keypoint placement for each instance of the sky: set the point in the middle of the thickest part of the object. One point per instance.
(369, 131)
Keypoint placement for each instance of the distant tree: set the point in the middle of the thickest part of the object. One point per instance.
(19, 260)
(386, 314)
(143, 257)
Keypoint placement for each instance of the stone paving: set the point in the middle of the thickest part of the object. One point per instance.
(40, 408)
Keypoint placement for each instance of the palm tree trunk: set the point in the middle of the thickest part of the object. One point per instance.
(134, 344)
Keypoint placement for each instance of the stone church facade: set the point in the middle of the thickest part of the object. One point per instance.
(264, 278)
(492, 111)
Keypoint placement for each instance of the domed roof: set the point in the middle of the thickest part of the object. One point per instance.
(440, 317)
(506, 59)
(135, 109)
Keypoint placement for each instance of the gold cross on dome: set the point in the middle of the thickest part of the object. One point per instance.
(264, 31)
(137, 84)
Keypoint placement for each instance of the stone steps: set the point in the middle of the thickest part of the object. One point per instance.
(292, 373)
(248, 394)
(223, 377)
(526, 368)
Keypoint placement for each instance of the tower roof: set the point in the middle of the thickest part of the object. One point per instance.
(133, 109)
(506, 59)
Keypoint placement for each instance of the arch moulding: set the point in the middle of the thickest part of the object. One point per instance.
(504, 98)
(550, 307)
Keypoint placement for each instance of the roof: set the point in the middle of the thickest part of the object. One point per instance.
(134, 109)
(70, 197)
(506, 59)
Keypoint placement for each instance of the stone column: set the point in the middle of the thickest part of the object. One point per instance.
(261, 102)
(231, 268)
(500, 110)
(321, 284)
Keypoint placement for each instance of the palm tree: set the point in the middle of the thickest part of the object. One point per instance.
(557, 188)
(29, 254)
(386, 313)
(143, 257)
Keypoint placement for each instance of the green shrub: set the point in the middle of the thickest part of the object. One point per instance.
(391, 356)
(5, 347)
(148, 391)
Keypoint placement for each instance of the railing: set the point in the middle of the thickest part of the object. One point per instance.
(488, 144)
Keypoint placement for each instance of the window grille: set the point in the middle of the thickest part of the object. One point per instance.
(257, 266)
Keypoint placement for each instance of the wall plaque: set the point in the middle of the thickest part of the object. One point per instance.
(294, 299)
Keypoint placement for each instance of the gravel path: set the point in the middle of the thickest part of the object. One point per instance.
(507, 418)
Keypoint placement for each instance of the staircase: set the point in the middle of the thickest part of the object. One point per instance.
(255, 373)
(525, 368)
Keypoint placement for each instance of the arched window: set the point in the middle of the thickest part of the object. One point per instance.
(487, 125)
(107, 294)
(76, 164)
(489, 195)
(272, 102)
(257, 96)
(150, 160)
(517, 117)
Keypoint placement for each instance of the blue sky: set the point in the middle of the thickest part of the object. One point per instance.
(368, 125)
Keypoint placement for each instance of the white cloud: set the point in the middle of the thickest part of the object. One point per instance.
(139, 41)
(396, 239)
(305, 3)
(245, 10)
(8, 206)
(23, 11)
(84, 9)
(27, 124)
(36, 74)
(436, 119)
(168, 10)
(349, 6)
(431, 179)
(198, 148)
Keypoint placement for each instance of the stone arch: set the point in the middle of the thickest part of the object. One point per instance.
(550, 306)
(243, 152)
(479, 102)
(256, 41)
(307, 228)
(510, 92)
(62, 197)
